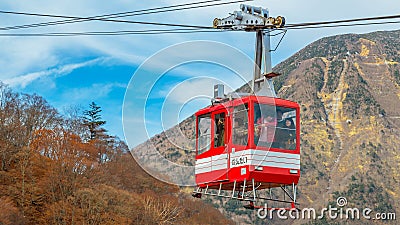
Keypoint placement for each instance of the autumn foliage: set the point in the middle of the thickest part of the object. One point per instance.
(55, 171)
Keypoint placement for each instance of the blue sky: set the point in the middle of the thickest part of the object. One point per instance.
(71, 71)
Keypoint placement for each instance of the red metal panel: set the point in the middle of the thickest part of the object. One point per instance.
(235, 173)
(216, 175)
(275, 175)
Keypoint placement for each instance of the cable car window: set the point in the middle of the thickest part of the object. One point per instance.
(240, 125)
(286, 128)
(219, 130)
(265, 122)
(274, 126)
(204, 134)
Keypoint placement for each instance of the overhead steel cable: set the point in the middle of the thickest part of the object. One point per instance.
(108, 20)
(124, 14)
(340, 25)
(108, 17)
(112, 33)
(342, 21)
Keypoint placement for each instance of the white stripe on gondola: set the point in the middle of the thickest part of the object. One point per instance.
(248, 157)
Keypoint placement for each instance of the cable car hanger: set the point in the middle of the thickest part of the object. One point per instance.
(256, 19)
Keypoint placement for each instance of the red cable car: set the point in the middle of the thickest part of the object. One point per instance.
(247, 144)
(250, 142)
(245, 139)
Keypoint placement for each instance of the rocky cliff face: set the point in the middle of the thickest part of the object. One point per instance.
(348, 87)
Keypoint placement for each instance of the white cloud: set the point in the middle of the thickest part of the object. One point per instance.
(26, 54)
(24, 80)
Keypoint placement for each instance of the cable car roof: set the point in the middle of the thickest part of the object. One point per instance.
(252, 98)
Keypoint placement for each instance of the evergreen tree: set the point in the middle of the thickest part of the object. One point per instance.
(94, 122)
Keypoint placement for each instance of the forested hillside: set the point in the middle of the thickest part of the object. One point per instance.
(65, 169)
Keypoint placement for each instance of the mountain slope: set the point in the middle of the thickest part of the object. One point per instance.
(350, 128)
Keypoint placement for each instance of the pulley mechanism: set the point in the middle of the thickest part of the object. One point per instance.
(256, 19)
(250, 18)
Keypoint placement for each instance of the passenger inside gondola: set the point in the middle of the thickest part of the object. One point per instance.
(240, 132)
(219, 136)
(290, 134)
(265, 122)
(240, 125)
(274, 127)
(286, 135)
(265, 130)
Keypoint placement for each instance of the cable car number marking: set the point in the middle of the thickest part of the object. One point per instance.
(238, 161)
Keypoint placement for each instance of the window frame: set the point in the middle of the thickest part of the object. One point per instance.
(209, 143)
(247, 110)
(294, 119)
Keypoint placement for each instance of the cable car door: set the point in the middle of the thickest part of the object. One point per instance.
(220, 156)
